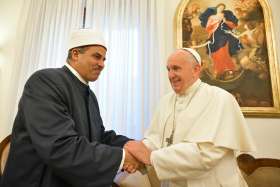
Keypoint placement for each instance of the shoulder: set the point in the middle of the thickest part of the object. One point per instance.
(210, 11)
(50, 74)
(49, 85)
(206, 14)
(46, 73)
(50, 78)
(218, 98)
(229, 16)
(219, 93)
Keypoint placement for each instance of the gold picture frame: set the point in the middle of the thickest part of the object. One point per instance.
(236, 42)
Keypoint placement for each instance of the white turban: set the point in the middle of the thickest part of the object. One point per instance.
(84, 37)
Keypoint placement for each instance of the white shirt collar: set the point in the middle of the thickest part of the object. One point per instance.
(76, 74)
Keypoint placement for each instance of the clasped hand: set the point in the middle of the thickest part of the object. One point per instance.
(137, 155)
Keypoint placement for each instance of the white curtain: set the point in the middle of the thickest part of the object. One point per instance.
(43, 30)
(129, 87)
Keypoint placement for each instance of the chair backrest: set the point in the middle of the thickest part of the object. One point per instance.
(4, 151)
(261, 172)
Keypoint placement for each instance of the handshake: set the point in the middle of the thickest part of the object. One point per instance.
(137, 155)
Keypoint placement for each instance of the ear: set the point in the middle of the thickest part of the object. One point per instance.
(197, 69)
(74, 54)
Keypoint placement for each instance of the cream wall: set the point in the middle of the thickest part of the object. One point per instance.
(9, 15)
(265, 131)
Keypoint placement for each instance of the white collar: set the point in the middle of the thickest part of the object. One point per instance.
(190, 89)
(76, 74)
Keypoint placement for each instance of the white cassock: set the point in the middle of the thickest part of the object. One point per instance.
(209, 129)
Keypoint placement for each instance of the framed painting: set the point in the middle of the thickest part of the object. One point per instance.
(236, 41)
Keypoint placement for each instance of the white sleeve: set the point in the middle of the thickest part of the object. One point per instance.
(186, 160)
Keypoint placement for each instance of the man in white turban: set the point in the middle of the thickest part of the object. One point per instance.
(58, 138)
(195, 132)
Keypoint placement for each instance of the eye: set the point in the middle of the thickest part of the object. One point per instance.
(97, 56)
(176, 68)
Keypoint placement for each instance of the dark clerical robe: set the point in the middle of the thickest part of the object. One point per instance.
(58, 137)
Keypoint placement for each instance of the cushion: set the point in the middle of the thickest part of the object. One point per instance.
(263, 177)
(136, 179)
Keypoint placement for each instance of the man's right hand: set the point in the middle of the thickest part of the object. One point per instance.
(130, 163)
(139, 151)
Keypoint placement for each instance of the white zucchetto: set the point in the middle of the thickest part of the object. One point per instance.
(194, 53)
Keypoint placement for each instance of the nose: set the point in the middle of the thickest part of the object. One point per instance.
(101, 63)
(171, 74)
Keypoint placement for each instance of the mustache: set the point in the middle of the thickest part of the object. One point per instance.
(97, 67)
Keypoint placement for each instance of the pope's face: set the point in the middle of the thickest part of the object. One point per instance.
(182, 71)
(89, 63)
